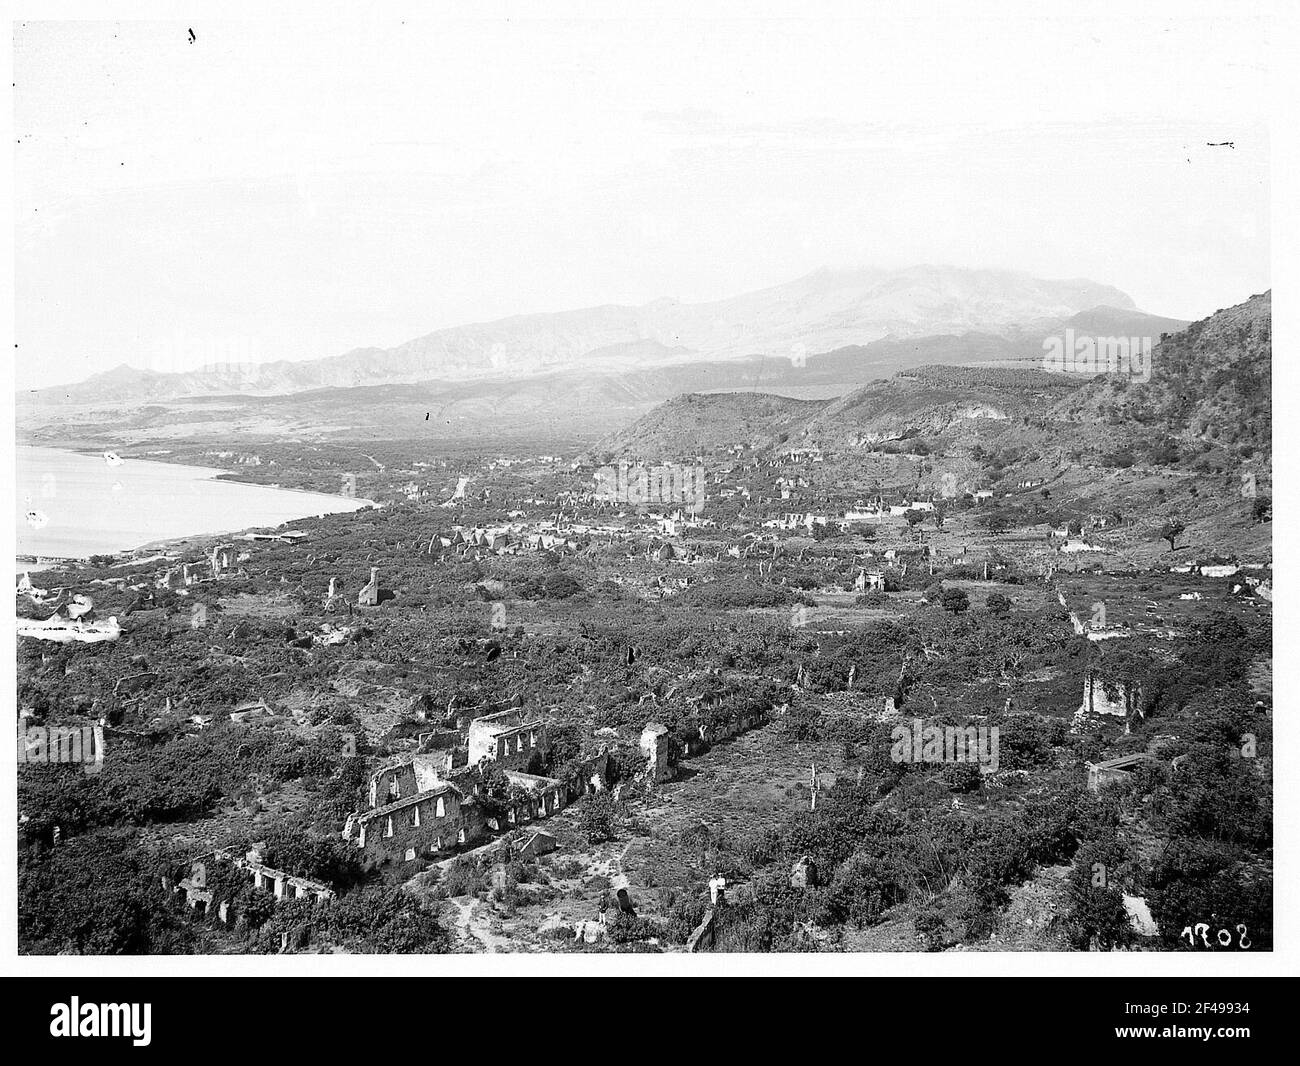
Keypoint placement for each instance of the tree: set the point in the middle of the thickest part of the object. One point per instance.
(930, 927)
(955, 600)
(307, 855)
(559, 586)
(1262, 509)
(1171, 530)
(1096, 913)
(495, 789)
(997, 603)
(1027, 741)
(1097, 916)
(97, 895)
(562, 743)
(862, 888)
(386, 920)
(597, 818)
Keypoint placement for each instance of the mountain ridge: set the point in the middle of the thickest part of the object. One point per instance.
(1208, 387)
(821, 311)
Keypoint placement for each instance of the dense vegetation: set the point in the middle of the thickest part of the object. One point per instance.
(736, 624)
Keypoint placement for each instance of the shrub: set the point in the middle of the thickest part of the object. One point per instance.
(597, 820)
(955, 600)
(997, 603)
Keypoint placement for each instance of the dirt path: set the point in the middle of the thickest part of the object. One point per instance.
(618, 859)
(471, 928)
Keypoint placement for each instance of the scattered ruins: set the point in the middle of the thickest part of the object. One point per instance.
(1109, 696)
(1114, 771)
(655, 742)
(423, 806)
(369, 594)
(200, 895)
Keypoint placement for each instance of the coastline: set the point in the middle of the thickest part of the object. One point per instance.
(229, 477)
(179, 542)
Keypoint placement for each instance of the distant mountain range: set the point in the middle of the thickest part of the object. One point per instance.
(822, 312)
(587, 374)
(1205, 387)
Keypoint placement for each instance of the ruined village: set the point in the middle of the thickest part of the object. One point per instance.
(635, 698)
(723, 487)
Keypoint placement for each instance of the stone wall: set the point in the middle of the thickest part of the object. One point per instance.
(1122, 699)
(417, 827)
(655, 746)
(704, 934)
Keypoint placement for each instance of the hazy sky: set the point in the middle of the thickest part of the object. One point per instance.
(295, 190)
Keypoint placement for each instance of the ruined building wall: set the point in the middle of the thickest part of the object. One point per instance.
(382, 834)
(655, 746)
(1126, 698)
(505, 738)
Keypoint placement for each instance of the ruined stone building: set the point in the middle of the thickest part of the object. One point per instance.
(369, 594)
(655, 745)
(532, 796)
(202, 897)
(405, 778)
(221, 560)
(418, 826)
(1115, 771)
(1103, 695)
(420, 807)
(504, 738)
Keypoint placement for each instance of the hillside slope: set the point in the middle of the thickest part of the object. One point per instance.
(696, 424)
(931, 401)
(1207, 400)
(1211, 382)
